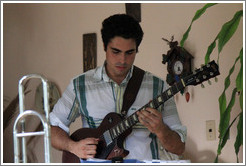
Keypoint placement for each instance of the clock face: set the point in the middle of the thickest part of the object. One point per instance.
(178, 67)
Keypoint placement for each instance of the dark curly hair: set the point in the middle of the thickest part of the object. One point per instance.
(121, 25)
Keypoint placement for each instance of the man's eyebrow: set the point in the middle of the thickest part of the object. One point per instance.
(116, 49)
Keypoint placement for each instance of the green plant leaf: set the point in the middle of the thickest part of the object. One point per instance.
(209, 51)
(239, 139)
(222, 98)
(216, 159)
(202, 10)
(228, 29)
(225, 137)
(225, 111)
(225, 120)
(225, 34)
(241, 100)
(222, 105)
(185, 36)
(239, 79)
(197, 15)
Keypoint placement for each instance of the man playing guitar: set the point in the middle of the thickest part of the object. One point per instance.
(98, 92)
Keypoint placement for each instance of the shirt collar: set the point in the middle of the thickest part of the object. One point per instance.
(103, 76)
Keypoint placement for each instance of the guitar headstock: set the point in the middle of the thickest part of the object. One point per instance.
(204, 73)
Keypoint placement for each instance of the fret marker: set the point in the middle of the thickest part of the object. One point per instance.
(169, 92)
(135, 118)
(121, 125)
(114, 132)
(118, 129)
(127, 123)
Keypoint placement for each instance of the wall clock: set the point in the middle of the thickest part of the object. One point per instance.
(178, 62)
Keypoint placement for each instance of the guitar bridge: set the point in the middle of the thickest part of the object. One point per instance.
(107, 137)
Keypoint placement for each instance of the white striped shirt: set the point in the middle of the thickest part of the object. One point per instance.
(96, 95)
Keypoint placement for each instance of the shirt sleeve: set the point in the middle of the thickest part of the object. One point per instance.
(65, 110)
(171, 118)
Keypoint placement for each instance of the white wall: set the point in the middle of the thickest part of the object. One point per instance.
(47, 39)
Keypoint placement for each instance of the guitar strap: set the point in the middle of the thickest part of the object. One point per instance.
(132, 89)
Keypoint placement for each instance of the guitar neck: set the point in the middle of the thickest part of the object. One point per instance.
(155, 103)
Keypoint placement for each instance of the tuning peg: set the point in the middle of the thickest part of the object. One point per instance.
(202, 86)
(209, 82)
(216, 79)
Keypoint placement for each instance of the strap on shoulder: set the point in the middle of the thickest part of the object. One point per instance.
(132, 89)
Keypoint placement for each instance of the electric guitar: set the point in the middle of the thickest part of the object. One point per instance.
(114, 128)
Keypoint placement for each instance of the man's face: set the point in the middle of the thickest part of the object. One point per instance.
(120, 55)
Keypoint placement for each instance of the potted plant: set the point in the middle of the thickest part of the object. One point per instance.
(224, 35)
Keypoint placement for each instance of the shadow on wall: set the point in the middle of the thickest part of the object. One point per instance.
(196, 156)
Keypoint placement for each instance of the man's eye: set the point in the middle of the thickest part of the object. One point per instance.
(116, 52)
(129, 53)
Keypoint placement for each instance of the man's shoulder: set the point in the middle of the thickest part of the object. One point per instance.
(92, 75)
(150, 76)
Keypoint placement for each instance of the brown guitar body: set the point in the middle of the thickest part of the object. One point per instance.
(103, 151)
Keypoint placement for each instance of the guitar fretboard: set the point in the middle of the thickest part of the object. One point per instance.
(155, 103)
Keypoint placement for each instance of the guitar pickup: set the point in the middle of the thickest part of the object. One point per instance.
(107, 137)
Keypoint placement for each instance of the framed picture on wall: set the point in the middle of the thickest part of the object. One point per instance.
(89, 51)
(134, 10)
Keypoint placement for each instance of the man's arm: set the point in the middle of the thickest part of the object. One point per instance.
(85, 148)
(169, 139)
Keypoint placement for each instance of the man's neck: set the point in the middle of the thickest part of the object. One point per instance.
(117, 79)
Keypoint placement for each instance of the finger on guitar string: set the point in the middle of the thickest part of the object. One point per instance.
(153, 111)
(147, 115)
(142, 119)
(151, 118)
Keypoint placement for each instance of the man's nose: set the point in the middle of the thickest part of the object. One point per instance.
(122, 58)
